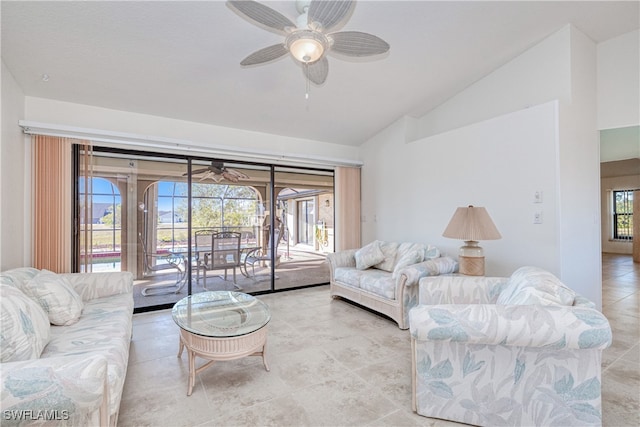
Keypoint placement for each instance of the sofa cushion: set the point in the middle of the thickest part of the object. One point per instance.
(533, 285)
(104, 329)
(406, 247)
(369, 255)
(56, 296)
(24, 326)
(389, 249)
(349, 276)
(379, 282)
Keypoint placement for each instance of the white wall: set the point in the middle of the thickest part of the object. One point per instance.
(412, 190)
(521, 85)
(13, 215)
(579, 175)
(619, 81)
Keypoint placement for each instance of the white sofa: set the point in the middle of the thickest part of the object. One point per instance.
(383, 276)
(70, 372)
(523, 350)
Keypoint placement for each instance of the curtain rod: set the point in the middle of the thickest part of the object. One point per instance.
(177, 146)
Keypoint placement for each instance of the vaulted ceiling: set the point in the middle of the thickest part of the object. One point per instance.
(181, 59)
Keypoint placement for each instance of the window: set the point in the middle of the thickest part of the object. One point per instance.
(105, 219)
(623, 215)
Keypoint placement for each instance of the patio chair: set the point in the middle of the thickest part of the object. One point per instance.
(259, 255)
(202, 245)
(168, 261)
(224, 255)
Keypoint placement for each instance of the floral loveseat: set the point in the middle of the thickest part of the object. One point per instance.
(384, 276)
(521, 351)
(65, 346)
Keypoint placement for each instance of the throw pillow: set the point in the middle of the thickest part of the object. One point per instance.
(411, 257)
(389, 249)
(56, 296)
(533, 285)
(17, 277)
(368, 255)
(431, 252)
(24, 326)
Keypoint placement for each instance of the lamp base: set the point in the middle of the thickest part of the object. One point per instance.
(471, 259)
(471, 266)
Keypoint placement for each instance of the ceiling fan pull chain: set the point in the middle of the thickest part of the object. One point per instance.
(308, 83)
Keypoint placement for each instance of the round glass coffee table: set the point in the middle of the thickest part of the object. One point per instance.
(221, 325)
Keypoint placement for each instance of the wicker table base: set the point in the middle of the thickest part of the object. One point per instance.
(221, 349)
(221, 325)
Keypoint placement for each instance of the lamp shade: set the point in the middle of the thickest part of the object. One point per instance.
(471, 224)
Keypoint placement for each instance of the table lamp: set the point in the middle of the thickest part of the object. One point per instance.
(471, 224)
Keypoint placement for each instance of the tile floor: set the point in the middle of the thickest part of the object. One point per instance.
(334, 364)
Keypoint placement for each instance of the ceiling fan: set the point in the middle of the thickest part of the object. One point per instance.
(218, 172)
(309, 39)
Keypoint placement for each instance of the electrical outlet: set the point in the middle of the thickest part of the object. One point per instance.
(537, 217)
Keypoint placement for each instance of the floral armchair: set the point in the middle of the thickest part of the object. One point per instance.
(524, 350)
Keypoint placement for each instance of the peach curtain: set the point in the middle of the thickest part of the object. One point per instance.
(347, 210)
(52, 216)
(52, 185)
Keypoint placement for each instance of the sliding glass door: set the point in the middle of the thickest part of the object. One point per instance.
(305, 212)
(229, 211)
(159, 217)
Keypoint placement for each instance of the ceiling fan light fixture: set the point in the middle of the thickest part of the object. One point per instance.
(306, 46)
(310, 37)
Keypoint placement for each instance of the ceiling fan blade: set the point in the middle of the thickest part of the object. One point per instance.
(236, 173)
(262, 14)
(197, 171)
(265, 55)
(356, 43)
(317, 72)
(230, 177)
(329, 13)
(206, 176)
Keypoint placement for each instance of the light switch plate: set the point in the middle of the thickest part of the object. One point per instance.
(537, 196)
(537, 217)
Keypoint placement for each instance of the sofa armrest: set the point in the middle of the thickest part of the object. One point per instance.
(342, 259)
(458, 289)
(551, 326)
(68, 389)
(99, 285)
(431, 267)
